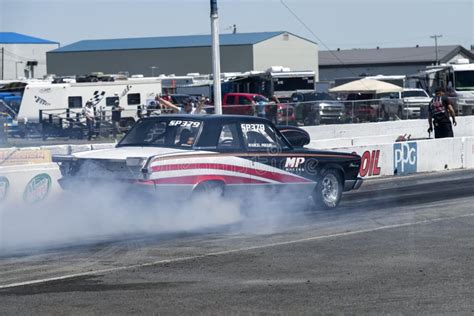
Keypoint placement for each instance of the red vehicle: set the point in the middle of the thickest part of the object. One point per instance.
(241, 103)
(286, 114)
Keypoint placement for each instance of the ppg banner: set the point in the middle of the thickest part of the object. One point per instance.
(405, 158)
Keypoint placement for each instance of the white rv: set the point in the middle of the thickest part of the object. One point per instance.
(60, 98)
(458, 76)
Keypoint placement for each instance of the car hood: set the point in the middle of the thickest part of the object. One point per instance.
(121, 153)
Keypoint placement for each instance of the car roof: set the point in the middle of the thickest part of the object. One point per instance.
(209, 117)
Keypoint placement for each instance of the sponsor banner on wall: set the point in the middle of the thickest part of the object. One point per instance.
(405, 158)
(37, 189)
(370, 163)
(16, 157)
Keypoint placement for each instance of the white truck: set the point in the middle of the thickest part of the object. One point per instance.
(406, 104)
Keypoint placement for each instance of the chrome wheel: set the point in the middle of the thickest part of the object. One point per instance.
(330, 190)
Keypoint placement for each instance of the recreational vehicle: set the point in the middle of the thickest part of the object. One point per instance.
(28, 101)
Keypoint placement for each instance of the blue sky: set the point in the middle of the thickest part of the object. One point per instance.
(337, 23)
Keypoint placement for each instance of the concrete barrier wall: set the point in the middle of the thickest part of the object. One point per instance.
(417, 128)
(28, 183)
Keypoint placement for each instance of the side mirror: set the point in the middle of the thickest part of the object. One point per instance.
(296, 136)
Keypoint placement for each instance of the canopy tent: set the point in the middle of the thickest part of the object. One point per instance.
(367, 86)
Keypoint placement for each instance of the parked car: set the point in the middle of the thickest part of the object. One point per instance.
(184, 156)
(313, 108)
(241, 103)
(406, 104)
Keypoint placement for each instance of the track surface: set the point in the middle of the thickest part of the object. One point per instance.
(402, 245)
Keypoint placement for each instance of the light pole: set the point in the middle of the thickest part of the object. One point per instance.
(16, 68)
(436, 46)
(216, 62)
(153, 70)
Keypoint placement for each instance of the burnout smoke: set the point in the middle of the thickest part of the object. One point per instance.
(101, 212)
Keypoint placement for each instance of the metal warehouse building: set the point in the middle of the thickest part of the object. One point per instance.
(181, 55)
(385, 61)
(23, 55)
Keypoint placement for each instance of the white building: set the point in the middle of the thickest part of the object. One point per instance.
(23, 56)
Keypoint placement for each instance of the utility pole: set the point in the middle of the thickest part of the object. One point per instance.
(436, 45)
(216, 62)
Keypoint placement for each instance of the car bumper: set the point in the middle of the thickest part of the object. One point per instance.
(353, 184)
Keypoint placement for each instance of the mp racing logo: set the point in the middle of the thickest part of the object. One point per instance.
(4, 186)
(404, 158)
(37, 189)
(294, 163)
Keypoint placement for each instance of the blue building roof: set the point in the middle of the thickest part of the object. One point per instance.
(167, 42)
(16, 38)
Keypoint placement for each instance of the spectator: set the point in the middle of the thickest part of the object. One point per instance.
(89, 112)
(188, 107)
(259, 106)
(273, 109)
(116, 117)
(438, 114)
(167, 104)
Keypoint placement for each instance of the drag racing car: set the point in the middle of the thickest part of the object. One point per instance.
(182, 156)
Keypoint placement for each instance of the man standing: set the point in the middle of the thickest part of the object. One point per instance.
(88, 112)
(116, 117)
(440, 109)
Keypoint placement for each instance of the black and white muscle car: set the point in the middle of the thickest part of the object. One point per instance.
(228, 154)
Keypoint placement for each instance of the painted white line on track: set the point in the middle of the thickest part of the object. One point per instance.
(225, 252)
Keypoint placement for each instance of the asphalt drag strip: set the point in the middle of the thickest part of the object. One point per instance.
(399, 245)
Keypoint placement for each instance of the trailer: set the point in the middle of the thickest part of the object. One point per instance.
(33, 100)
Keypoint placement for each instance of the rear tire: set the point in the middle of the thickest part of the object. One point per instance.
(328, 192)
(208, 190)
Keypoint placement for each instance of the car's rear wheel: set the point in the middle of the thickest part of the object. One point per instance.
(208, 190)
(328, 192)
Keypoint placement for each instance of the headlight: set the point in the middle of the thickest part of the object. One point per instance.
(461, 101)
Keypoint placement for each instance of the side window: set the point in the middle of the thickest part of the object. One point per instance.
(229, 137)
(133, 99)
(258, 137)
(243, 100)
(110, 101)
(230, 99)
(75, 102)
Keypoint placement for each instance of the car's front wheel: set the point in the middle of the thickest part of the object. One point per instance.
(328, 191)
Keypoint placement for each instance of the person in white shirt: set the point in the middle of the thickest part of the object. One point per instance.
(89, 113)
(186, 109)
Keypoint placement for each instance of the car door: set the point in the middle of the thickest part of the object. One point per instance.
(233, 162)
(266, 152)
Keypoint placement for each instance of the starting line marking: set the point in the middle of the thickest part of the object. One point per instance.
(225, 252)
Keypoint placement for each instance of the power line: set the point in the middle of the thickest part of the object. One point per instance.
(316, 37)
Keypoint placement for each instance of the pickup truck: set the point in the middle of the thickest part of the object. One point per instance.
(241, 103)
(406, 104)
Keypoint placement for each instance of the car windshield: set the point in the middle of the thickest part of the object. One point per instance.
(319, 97)
(180, 133)
(414, 93)
(464, 80)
